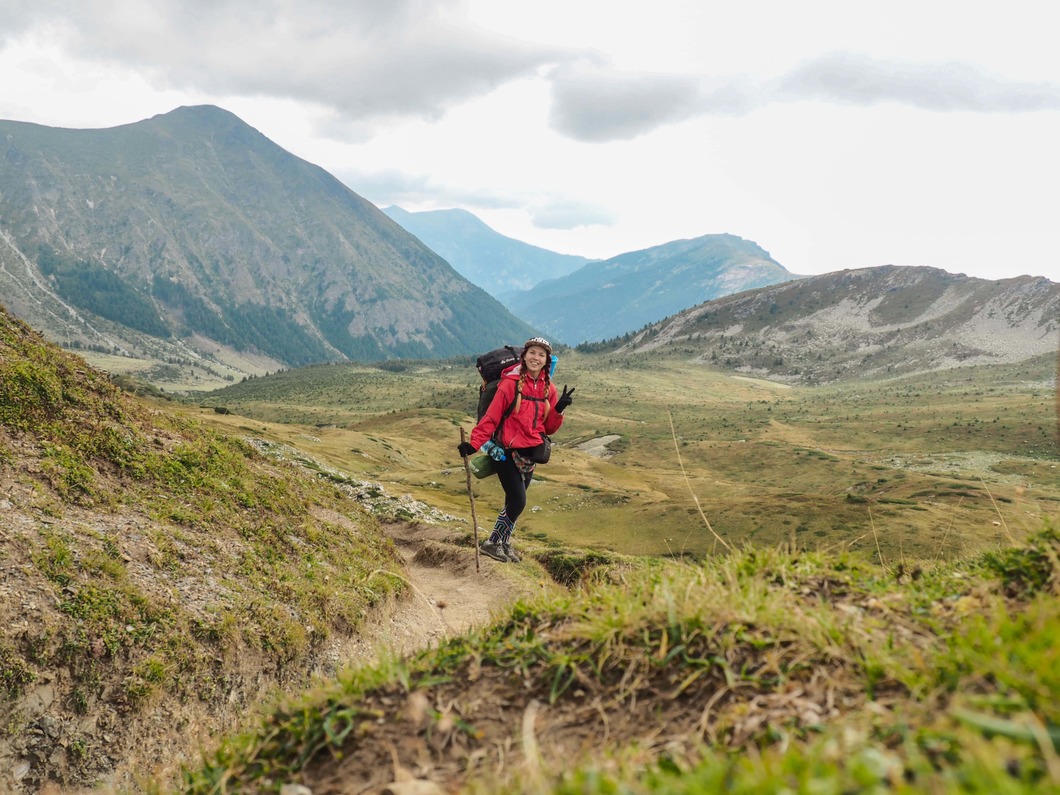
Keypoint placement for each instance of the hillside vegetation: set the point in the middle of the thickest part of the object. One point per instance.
(757, 672)
(159, 579)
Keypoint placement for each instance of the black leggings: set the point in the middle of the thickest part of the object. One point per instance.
(515, 484)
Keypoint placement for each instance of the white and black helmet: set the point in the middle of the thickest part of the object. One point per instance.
(541, 342)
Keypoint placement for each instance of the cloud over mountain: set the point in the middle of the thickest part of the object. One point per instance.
(597, 103)
(358, 60)
(859, 80)
(373, 61)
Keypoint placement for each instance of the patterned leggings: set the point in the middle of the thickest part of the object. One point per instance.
(515, 474)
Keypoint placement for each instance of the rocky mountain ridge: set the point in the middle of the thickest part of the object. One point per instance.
(605, 299)
(865, 324)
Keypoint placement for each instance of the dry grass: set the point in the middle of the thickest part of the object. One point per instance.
(763, 465)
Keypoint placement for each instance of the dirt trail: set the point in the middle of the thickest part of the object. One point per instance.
(448, 596)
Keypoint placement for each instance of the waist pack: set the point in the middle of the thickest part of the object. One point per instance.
(541, 453)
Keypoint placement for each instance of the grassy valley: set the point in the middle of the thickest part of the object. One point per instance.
(934, 466)
(873, 607)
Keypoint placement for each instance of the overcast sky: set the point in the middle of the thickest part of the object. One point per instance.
(835, 135)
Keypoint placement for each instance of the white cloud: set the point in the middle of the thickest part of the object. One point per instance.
(364, 60)
(419, 191)
(952, 86)
(594, 103)
(570, 215)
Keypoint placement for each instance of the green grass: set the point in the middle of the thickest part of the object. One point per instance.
(761, 671)
(761, 459)
(165, 552)
(887, 623)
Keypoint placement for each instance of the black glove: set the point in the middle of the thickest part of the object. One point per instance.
(465, 449)
(565, 399)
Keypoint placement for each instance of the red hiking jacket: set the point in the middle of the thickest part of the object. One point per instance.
(522, 428)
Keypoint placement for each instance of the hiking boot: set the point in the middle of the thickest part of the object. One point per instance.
(495, 551)
(513, 556)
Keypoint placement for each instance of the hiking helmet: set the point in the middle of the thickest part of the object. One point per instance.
(540, 342)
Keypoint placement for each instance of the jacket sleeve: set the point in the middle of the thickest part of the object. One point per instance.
(482, 432)
(554, 418)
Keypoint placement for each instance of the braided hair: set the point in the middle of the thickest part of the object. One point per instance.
(522, 379)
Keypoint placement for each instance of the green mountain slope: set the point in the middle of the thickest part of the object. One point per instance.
(496, 263)
(606, 299)
(192, 237)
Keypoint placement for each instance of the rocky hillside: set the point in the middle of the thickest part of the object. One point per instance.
(868, 323)
(496, 263)
(606, 299)
(193, 240)
(157, 580)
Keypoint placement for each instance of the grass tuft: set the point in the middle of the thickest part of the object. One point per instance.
(763, 671)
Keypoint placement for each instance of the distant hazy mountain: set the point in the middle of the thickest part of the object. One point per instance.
(496, 263)
(622, 294)
(867, 324)
(192, 235)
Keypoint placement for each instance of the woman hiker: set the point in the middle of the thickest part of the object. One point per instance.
(536, 410)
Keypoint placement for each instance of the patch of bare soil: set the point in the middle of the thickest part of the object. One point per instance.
(448, 597)
(599, 446)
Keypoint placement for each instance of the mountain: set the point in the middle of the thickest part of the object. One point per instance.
(868, 323)
(609, 298)
(496, 263)
(192, 238)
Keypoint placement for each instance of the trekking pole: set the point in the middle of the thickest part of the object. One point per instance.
(471, 497)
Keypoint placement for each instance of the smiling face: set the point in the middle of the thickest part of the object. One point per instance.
(535, 357)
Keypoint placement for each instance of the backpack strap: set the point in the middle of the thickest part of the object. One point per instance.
(507, 413)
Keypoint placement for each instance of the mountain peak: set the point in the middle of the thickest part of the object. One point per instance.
(616, 296)
(192, 237)
(200, 112)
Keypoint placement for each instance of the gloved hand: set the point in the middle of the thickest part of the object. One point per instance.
(465, 449)
(494, 451)
(565, 399)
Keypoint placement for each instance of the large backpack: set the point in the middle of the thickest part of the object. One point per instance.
(490, 366)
